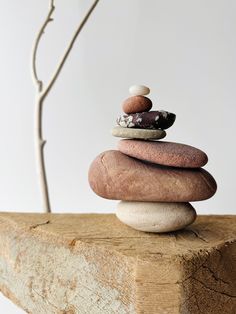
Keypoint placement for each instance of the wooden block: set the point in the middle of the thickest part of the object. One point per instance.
(91, 263)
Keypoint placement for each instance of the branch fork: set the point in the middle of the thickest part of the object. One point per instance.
(42, 93)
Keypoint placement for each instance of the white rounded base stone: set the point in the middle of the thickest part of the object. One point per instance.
(156, 216)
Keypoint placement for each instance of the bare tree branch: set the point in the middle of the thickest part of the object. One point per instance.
(42, 94)
(39, 154)
(68, 50)
(48, 19)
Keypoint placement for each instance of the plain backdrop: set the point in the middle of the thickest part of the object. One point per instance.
(183, 50)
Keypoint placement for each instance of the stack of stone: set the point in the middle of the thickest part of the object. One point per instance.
(155, 180)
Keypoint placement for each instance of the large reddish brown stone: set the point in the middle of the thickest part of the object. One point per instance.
(164, 153)
(114, 175)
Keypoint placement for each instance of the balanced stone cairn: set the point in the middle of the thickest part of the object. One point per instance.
(155, 180)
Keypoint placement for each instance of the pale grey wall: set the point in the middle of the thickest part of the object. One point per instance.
(183, 50)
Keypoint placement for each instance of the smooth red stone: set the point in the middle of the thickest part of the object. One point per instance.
(136, 104)
(114, 175)
(164, 153)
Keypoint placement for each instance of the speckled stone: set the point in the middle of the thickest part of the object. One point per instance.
(114, 175)
(147, 120)
(164, 153)
(156, 216)
(143, 134)
(137, 104)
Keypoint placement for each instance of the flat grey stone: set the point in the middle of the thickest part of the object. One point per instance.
(143, 134)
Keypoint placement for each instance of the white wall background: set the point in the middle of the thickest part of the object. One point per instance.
(183, 50)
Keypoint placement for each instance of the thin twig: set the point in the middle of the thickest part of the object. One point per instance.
(68, 50)
(42, 94)
(39, 153)
(39, 142)
(48, 19)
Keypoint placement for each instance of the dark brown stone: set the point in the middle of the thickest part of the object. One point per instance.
(136, 104)
(147, 120)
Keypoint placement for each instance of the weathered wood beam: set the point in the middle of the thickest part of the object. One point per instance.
(91, 263)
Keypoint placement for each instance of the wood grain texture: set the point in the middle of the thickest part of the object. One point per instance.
(92, 263)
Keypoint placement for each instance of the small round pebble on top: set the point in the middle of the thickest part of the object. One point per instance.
(139, 90)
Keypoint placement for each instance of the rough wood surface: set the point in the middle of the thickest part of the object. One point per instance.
(91, 263)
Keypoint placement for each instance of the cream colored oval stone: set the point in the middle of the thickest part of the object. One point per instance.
(156, 217)
(139, 90)
(143, 134)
